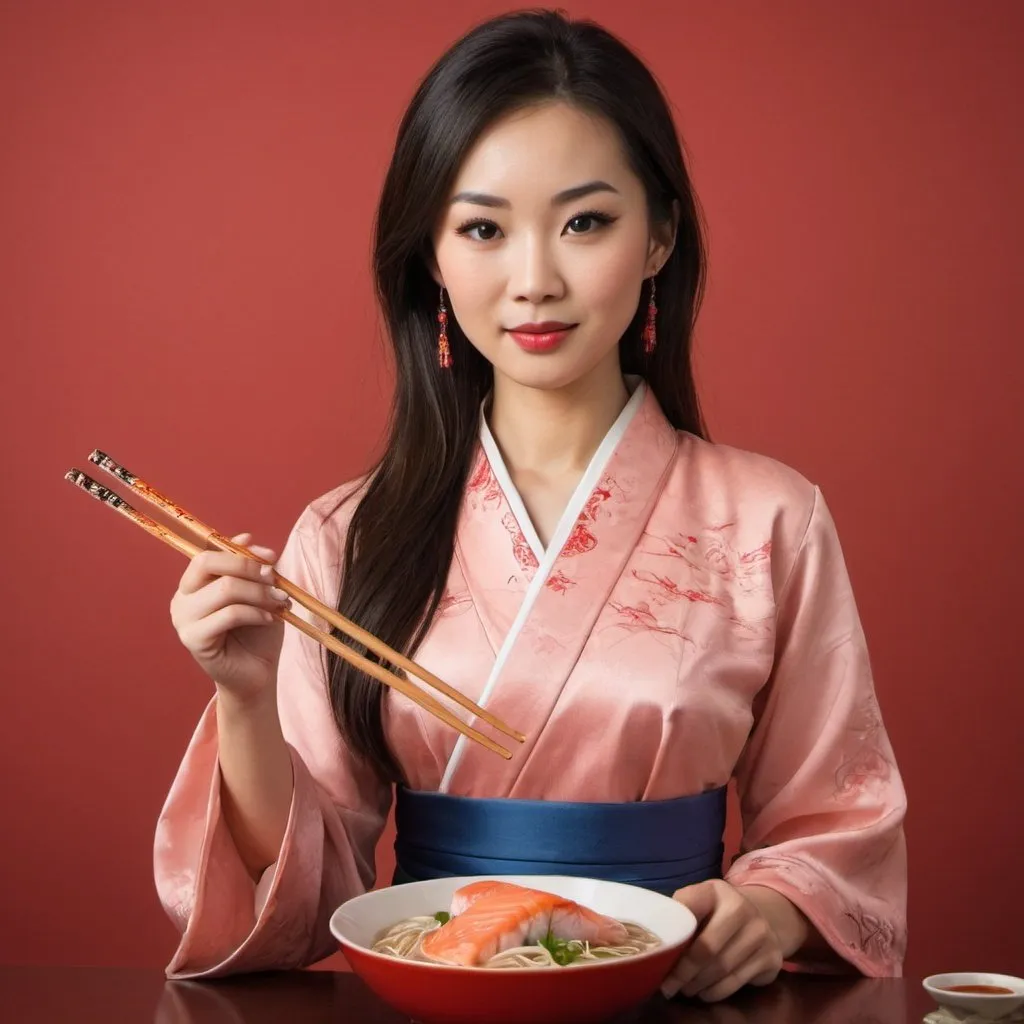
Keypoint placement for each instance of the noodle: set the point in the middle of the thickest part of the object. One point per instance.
(403, 939)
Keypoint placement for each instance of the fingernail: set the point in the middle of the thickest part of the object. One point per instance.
(278, 595)
(669, 988)
(266, 571)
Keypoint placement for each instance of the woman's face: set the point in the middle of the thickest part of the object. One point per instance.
(545, 244)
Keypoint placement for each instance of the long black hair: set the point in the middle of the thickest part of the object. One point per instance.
(400, 542)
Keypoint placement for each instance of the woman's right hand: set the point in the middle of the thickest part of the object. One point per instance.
(223, 612)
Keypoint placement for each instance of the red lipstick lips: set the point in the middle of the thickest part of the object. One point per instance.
(541, 337)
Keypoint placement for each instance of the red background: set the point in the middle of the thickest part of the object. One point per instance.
(187, 193)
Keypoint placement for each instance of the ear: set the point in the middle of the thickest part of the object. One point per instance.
(663, 240)
(432, 267)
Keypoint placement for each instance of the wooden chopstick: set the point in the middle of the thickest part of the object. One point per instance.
(307, 600)
(190, 550)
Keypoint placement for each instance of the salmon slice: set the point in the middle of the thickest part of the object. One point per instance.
(496, 916)
(465, 897)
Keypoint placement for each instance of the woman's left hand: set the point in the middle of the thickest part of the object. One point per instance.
(744, 933)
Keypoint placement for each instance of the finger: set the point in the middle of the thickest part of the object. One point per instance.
(746, 944)
(762, 966)
(731, 912)
(208, 565)
(721, 910)
(767, 976)
(700, 899)
(228, 590)
(701, 963)
(205, 635)
(245, 541)
(727, 986)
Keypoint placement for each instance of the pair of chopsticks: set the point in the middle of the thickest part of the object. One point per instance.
(343, 625)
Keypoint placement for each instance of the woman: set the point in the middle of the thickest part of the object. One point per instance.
(549, 531)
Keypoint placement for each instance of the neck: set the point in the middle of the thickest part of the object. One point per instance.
(558, 430)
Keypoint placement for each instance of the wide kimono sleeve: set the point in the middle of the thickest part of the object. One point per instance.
(822, 800)
(228, 923)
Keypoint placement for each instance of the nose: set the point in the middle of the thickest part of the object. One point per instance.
(534, 276)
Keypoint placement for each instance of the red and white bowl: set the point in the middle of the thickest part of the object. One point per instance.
(580, 994)
(987, 1005)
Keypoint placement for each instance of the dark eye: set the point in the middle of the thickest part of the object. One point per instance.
(585, 223)
(480, 230)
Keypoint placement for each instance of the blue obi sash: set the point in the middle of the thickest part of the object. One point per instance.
(659, 844)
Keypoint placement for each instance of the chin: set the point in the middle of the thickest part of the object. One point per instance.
(550, 377)
(556, 370)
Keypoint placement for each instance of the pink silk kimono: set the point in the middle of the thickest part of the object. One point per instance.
(691, 621)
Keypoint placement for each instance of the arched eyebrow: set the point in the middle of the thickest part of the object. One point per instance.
(569, 195)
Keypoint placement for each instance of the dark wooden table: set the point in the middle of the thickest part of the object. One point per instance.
(102, 995)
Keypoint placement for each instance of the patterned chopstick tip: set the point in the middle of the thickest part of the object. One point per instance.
(98, 491)
(105, 462)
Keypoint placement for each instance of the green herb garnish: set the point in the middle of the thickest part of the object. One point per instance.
(563, 951)
(442, 917)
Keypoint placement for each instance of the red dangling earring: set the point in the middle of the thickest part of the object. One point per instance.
(650, 334)
(444, 352)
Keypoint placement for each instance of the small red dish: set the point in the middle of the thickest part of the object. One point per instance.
(991, 996)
